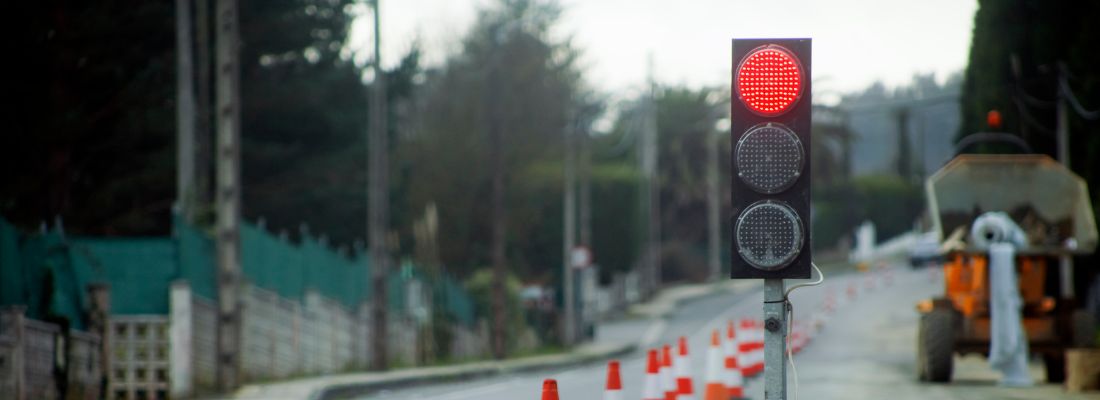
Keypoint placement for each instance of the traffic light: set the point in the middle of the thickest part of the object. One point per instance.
(770, 124)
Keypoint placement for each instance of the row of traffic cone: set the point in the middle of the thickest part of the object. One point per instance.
(668, 377)
(668, 371)
(668, 374)
(729, 361)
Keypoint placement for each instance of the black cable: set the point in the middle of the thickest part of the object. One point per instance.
(1029, 119)
(1086, 114)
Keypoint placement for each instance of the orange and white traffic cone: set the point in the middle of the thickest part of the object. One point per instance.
(685, 388)
(714, 387)
(668, 383)
(797, 339)
(747, 347)
(732, 377)
(550, 389)
(651, 387)
(614, 388)
(829, 305)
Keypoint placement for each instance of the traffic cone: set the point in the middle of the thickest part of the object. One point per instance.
(685, 388)
(750, 348)
(829, 304)
(732, 378)
(614, 388)
(651, 388)
(550, 389)
(668, 383)
(715, 388)
(797, 338)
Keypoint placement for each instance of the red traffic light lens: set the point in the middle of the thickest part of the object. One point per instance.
(769, 80)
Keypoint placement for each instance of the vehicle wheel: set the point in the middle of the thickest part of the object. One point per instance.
(1056, 368)
(1084, 329)
(936, 346)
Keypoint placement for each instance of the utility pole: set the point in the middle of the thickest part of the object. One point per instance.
(185, 113)
(203, 136)
(378, 198)
(499, 224)
(1062, 130)
(714, 235)
(584, 169)
(228, 196)
(569, 231)
(905, 159)
(652, 189)
(1065, 261)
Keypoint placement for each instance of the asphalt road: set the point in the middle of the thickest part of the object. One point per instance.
(864, 351)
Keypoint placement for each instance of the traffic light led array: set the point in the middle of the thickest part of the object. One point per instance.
(770, 124)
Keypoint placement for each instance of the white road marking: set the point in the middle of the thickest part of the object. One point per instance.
(476, 392)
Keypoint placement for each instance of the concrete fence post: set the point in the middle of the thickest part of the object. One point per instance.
(99, 313)
(180, 365)
(13, 315)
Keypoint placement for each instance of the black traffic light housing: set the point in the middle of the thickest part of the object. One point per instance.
(771, 198)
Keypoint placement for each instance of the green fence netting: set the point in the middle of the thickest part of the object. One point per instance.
(49, 273)
(140, 271)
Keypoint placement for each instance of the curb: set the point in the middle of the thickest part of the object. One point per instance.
(353, 389)
(354, 385)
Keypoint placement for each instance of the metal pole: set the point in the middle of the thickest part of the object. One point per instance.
(185, 113)
(228, 195)
(775, 341)
(568, 239)
(378, 198)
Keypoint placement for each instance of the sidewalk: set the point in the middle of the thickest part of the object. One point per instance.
(642, 326)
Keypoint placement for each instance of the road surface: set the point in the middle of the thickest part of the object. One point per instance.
(864, 351)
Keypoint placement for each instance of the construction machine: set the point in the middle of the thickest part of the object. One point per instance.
(1050, 205)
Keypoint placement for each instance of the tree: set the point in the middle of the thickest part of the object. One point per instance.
(506, 95)
(1018, 50)
(1036, 36)
(305, 117)
(91, 134)
(686, 117)
(94, 108)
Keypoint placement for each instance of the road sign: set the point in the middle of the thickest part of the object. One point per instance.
(770, 124)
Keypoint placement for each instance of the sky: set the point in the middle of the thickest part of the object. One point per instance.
(855, 42)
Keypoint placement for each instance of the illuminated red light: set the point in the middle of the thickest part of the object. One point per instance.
(769, 80)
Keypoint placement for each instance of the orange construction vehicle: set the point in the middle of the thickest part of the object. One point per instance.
(1051, 205)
